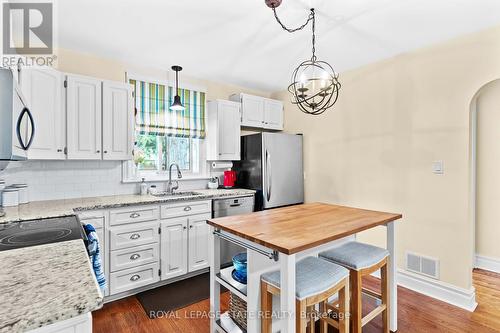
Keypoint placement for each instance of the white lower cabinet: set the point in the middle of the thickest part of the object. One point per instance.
(198, 242)
(132, 278)
(126, 236)
(149, 243)
(174, 247)
(79, 324)
(138, 255)
(184, 245)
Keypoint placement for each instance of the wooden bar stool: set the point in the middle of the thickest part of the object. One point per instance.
(361, 260)
(316, 281)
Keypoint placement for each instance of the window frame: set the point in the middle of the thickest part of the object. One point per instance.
(131, 174)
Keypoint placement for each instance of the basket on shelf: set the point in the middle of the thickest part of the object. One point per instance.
(238, 310)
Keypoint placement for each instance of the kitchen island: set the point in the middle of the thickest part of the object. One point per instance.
(276, 239)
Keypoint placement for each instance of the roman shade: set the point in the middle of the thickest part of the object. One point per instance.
(154, 117)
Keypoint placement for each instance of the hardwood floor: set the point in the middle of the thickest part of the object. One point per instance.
(417, 313)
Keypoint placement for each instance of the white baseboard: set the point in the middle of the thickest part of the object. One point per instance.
(462, 298)
(487, 263)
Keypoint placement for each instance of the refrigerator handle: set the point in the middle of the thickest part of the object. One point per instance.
(268, 175)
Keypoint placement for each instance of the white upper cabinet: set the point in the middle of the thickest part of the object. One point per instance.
(117, 121)
(78, 117)
(273, 114)
(223, 138)
(84, 117)
(259, 112)
(252, 111)
(43, 89)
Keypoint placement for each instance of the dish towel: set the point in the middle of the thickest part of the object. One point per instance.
(95, 255)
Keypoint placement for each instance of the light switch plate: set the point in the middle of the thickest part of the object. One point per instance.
(438, 167)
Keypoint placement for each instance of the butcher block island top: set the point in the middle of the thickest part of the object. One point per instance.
(297, 228)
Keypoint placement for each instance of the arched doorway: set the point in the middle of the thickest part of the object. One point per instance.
(485, 176)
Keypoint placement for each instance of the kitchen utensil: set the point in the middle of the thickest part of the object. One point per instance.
(229, 178)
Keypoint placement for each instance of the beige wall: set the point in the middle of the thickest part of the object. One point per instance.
(88, 64)
(488, 171)
(375, 148)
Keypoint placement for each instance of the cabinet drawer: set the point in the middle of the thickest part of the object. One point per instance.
(133, 278)
(185, 208)
(126, 236)
(133, 215)
(133, 257)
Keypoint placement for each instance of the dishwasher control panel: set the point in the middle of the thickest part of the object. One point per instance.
(246, 203)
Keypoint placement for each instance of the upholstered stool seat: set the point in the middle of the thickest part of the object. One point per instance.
(362, 260)
(355, 255)
(316, 280)
(312, 276)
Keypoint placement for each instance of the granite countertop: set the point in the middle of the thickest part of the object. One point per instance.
(55, 208)
(44, 284)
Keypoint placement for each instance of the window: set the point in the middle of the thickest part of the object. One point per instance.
(155, 153)
(164, 136)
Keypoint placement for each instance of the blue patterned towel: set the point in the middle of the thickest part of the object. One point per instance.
(95, 255)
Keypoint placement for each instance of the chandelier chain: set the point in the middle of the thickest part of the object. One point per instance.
(313, 58)
(310, 18)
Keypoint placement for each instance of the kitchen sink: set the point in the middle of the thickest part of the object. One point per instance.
(176, 194)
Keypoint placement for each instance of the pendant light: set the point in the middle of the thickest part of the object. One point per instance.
(177, 104)
(315, 85)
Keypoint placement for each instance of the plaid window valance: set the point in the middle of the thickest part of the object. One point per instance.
(154, 116)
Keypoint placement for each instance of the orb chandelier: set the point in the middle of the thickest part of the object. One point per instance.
(315, 85)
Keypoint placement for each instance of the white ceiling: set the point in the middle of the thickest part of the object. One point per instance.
(238, 41)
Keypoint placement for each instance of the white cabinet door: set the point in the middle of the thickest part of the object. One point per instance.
(117, 121)
(79, 324)
(173, 248)
(252, 110)
(228, 131)
(84, 130)
(273, 114)
(43, 89)
(198, 242)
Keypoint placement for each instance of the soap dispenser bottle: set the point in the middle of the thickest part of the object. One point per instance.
(144, 187)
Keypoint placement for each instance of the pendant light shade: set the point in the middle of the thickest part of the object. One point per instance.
(177, 104)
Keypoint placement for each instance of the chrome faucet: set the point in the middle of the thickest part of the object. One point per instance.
(170, 188)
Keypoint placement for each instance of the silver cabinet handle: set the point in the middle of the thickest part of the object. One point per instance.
(135, 256)
(187, 208)
(268, 172)
(134, 215)
(135, 277)
(135, 236)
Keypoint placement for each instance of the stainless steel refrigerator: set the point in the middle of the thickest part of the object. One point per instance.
(272, 164)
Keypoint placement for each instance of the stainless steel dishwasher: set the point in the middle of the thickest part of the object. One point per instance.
(230, 207)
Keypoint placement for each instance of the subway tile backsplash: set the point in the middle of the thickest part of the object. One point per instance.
(55, 180)
(51, 180)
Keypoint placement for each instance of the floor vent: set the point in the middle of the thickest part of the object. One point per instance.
(422, 265)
